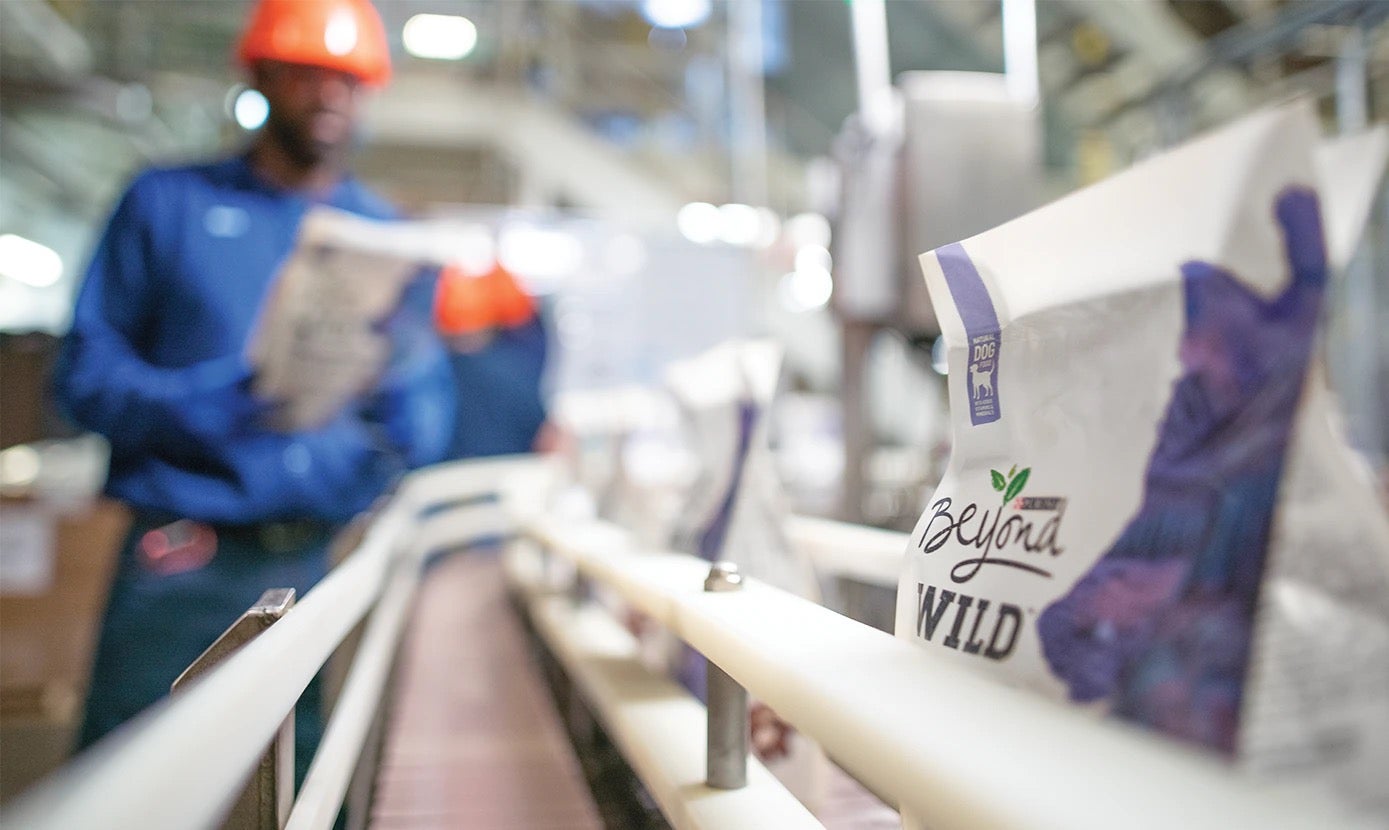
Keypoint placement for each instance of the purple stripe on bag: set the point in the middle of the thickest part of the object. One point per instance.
(981, 331)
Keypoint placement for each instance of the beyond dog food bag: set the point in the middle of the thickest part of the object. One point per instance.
(735, 508)
(1149, 510)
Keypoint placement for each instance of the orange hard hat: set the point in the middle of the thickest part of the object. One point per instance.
(467, 304)
(511, 305)
(346, 35)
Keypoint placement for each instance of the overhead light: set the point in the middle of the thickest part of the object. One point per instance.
(805, 289)
(940, 357)
(734, 224)
(340, 35)
(768, 227)
(741, 224)
(442, 37)
(250, 109)
(808, 229)
(812, 257)
(699, 222)
(676, 14)
(26, 261)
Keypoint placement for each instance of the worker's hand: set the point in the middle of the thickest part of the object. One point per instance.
(550, 438)
(219, 403)
(411, 424)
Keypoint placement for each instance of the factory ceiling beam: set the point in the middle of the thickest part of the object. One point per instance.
(553, 149)
(1244, 42)
(37, 40)
(1158, 46)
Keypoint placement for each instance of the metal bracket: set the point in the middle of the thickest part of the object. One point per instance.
(269, 795)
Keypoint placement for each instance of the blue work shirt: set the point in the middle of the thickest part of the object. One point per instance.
(504, 409)
(154, 360)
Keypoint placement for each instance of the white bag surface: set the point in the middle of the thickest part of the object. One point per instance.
(1149, 511)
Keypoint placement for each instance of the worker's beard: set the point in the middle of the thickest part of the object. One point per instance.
(297, 140)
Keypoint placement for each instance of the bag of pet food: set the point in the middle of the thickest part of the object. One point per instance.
(735, 509)
(1150, 511)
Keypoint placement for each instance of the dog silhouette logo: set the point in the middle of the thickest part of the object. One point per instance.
(981, 383)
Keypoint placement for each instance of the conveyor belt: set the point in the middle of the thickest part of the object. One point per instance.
(473, 740)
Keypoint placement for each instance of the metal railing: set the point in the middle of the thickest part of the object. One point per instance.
(949, 748)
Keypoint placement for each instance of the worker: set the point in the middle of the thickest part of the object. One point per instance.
(497, 349)
(224, 507)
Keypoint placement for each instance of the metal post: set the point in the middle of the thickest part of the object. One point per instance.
(726, 766)
(268, 797)
(1355, 354)
(747, 105)
(872, 66)
(855, 344)
(1353, 81)
(1020, 50)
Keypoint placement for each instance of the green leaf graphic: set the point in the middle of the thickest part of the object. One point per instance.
(1015, 486)
(999, 482)
(1013, 471)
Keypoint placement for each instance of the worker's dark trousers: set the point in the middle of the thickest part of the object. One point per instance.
(160, 618)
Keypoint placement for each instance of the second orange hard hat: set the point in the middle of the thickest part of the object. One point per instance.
(468, 304)
(345, 35)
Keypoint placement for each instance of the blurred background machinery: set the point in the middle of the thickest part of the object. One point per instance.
(647, 114)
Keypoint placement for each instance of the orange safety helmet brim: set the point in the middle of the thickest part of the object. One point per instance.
(345, 35)
(466, 304)
(511, 304)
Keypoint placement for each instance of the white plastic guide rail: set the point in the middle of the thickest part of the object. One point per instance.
(951, 749)
(865, 554)
(180, 764)
(659, 727)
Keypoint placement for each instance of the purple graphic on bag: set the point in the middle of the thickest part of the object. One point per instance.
(1161, 626)
(710, 542)
(981, 331)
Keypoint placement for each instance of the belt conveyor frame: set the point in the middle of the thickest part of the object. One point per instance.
(949, 748)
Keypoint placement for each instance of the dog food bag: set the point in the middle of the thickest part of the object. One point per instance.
(735, 509)
(1150, 511)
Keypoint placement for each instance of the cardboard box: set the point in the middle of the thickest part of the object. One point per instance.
(55, 571)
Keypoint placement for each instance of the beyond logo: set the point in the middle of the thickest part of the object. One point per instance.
(992, 534)
(993, 537)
